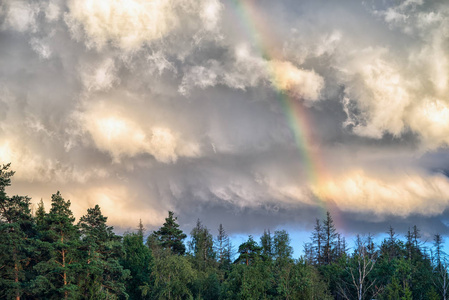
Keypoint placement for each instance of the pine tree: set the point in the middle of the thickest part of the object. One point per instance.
(202, 246)
(409, 243)
(169, 236)
(229, 250)
(138, 260)
(330, 235)
(16, 248)
(140, 228)
(222, 246)
(317, 242)
(432, 294)
(249, 252)
(309, 253)
(344, 247)
(391, 247)
(281, 245)
(266, 241)
(40, 214)
(60, 240)
(415, 237)
(438, 244)
(370, 247)
(102, 274)
(341, 248)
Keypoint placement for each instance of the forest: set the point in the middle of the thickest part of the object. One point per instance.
(47, 255)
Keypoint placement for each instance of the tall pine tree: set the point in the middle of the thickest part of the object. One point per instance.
(138, 260)
(330, 237)
(102, 275)
(59, 269)
(169, 236)
(202, 246)
(15, 246)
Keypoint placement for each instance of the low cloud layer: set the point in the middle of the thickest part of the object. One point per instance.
(224, 109)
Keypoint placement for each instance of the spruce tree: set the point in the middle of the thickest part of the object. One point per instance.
(223, 247)
(415, 237)
(138, 260)
(102, 274)
(330, 236)
(309, 253)
(40, 214)
(202, 246)
(169, 236)
(391, 246)
(438, 245)
(140, 228)
(16, 247)
(59, 268)
(317, 242)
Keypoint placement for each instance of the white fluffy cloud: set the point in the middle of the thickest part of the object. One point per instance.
(118, 203)
(130, 24)
(386, 194)
(380, 92)
(431, 118)
(249, 70)
(389, 91)
(121, 135)
(101, 76)
(21, 15)
(300, 83)
(35, 167)
(127, 23)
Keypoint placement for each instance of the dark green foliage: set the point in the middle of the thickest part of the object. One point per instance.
(281, 245)
(15, 247)
(140, 228)
(206, 284)
(249, 252)
(393, 290)
(169, 236)
(5, 178)
(248, 282)
(102, 276)
(392, 247)
(137, 259)
(266, 242)
(432, 295)
(311, 283)
(438, 245)
(211, 287)
(40, 215)
(224, 248)
(59, 269)
(317, 243)
(201, 246)
(329, 233)
(171, 277)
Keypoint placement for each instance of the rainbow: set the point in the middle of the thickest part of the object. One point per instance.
(265, 43)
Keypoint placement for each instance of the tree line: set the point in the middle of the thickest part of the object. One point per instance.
(47, 255)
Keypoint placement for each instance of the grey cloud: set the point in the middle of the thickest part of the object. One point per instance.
(191, 116)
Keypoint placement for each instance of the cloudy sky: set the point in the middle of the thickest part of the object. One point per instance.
(255, 114)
